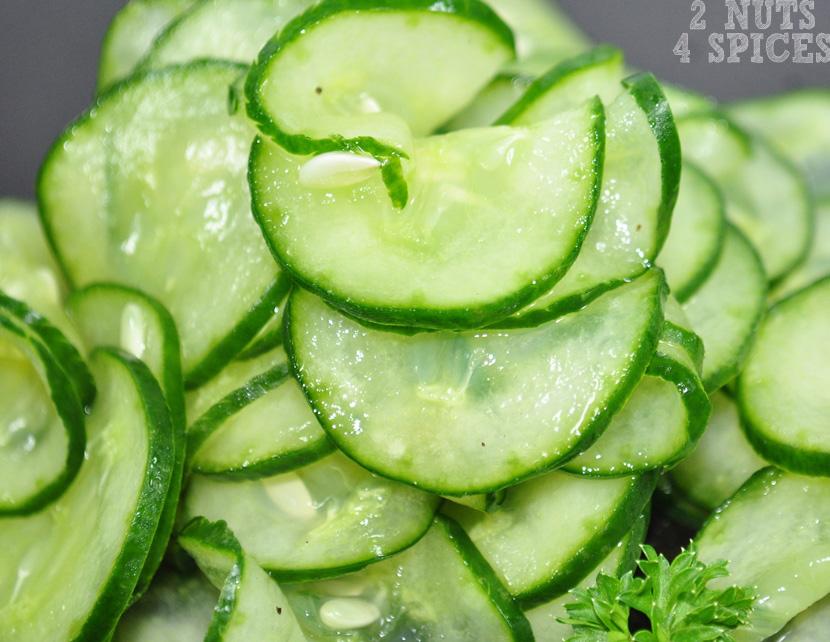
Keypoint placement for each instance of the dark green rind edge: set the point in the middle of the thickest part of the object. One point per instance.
(471, 10)
(686, 339)
(592, 432)
(173, 387)
(804, 461)
(232, 403)
(758, 478)
(698, 278)
(262, 344)
(67, 356)
(597, 548)
(114, 597)
(462, 318)
(487, 580)
(71, 413)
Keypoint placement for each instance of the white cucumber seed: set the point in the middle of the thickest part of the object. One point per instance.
(345, 614)
(337, 169)
(290, 494)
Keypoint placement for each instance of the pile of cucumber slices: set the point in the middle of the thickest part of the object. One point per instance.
(363, 320)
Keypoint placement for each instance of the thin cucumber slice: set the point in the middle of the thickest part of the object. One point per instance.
(69, 571)
(658, 426)
(551, 531)
(772, 532)
(130, 35)
(524, 207)
(817, 264)
(485, 502)
(251, 606)
(766, 196)
(269, 337)
(491, 102)
(809, 626)
(220, 29)
(684, 101)
(727, 309)
(113, 315)
(43, 431)
(697, 233)
(438, 416)
(253, 421)
(544, 619)
(149, 189)
(176, 608)
(798, 124)
(640, 180)
(722, 461)
(542, 29)
(322, 520)
(440, 589)
(784, 390)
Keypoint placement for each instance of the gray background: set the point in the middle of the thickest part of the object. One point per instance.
(49, 51)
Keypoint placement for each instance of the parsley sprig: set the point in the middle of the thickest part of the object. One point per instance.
(672, 595)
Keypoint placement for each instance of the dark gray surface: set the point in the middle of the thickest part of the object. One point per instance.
(49, 51)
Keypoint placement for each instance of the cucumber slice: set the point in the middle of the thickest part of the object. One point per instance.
(640, 179)
(485, 502)
(130, 35)
(415, 267)
(722, 461)
(220, 29)
(817, 264)
(544, 619)
(491, 102)
(773, 535)
(766, 197)
(43, 438)
(113, 315)
(798, 124)
(542, 29)
(697, 233)
(148, 189)
(322, 520)
(437, 417)
(538, 561)
(175, 608)
(784, 390)
(727, 309)
(658, 426)
(69, 571)
(251, 606)
(440, 589)
(269, 337)
(253, 421)
(684, 101)
(809, 626)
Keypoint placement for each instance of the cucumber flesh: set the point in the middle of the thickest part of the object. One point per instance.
(72, 578)
(722, 461)
(525, 541)
(684, 101)
(491, 102)
(542, 29)
(327, 518)
(251, 606)
(253, 421)
(809, 626)
(817, 264)
(436, 418)
(161, 147)
(415, 267)
(269, 337)
(727, 309)
(784, 390)
(440, 589)
(771, 532)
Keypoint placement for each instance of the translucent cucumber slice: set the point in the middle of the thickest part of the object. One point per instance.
(640, 180)
(251, 606)
(772, 532)
(697, 233)
(766, 196)
(722, 461)
(476, 241)
(550, 532)
(809, 626)
(440, 589)
(116, 316)
(784, 390)
(469, 413)
(817, 264)
(491, 102)
(658, 426)
(727, 308)
(131, 34)
(269, 337)
(253, 421)
(68, 572)
(42, 431)
(541, 28)
(220, 29)
(325, 519)
(485, 502)
(149, 189)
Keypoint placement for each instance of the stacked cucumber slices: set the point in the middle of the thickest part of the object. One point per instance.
(384, 319)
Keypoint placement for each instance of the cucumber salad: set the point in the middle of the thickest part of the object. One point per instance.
(369, 320)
